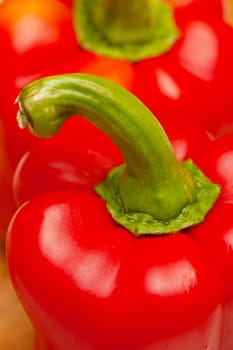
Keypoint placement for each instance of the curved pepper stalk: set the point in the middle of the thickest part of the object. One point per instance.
(152, 192)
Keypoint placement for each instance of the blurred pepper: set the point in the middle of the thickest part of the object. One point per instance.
(33, 34)
(180, 78)
(44, 41)
(40, 33)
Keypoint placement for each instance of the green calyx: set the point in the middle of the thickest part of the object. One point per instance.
(144, 223)
(125, 29)
(152, 192)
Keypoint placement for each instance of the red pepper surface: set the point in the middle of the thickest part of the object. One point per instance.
(33, 34)
(182, 76)
(52, 163)
(177, 77)
(53, 18)
(51, 43)
(109, 282)
(40, 33)
(7, 206)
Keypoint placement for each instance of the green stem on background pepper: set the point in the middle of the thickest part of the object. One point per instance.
(125, 29)
(152, 192)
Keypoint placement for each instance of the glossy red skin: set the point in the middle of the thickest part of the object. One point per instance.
(33, 34)
(215, 234)
(7, 203)
(192, 8)
(41, 32)
(103, 288)
(41, 35)
(217, 163)
(193, 80)
(188, 138)
(98, 295)
(52, 164)
(7, 75)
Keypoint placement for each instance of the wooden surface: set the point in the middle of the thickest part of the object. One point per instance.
(15, 329)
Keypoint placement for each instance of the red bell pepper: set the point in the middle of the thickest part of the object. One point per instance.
(187, 67)
(143, 270)
(193, 72)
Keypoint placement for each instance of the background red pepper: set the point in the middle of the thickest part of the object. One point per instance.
(40, 34)
(184, 82)
(62, 54)
(52, 40)
(196, 7)
(32, 34)
(40, 31)
(7, 75)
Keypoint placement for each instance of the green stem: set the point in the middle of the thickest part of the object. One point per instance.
(124, 20)
(132, 30)
(152, 181)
